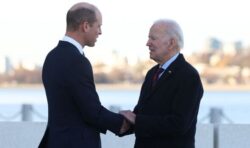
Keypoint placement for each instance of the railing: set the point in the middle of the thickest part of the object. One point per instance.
(214, 135)
(27, 112)
(29, 134)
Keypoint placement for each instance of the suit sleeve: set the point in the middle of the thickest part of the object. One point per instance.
(184, 112)
(132, 128)
(85, 96)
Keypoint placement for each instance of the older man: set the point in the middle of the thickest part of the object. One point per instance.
(166, 113)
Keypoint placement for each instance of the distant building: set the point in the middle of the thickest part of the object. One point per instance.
(2, 65)
(238, 46)
(5, 65)
(233, 48)
(8, 65)
(213, 45)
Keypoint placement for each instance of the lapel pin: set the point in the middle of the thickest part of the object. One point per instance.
(169, 72)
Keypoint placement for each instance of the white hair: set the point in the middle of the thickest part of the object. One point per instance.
(173, 30)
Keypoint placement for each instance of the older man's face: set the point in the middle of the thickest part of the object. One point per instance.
(159, 43)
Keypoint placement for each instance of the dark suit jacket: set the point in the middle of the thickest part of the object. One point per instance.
(76, 116)
(167, 115)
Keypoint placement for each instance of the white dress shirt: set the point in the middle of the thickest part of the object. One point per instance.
(74, 42)
(168, 62)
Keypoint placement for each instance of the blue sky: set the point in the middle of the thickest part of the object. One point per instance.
(30, 29)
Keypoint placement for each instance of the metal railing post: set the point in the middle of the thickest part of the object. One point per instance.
(26, 112)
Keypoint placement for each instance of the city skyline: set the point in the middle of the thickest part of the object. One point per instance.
(30, 29)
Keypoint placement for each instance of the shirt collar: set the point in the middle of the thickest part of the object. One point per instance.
(171, 60)
(74, 42)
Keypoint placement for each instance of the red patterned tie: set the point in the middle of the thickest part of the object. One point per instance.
(156, 76)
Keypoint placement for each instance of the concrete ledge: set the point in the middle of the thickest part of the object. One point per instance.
(234, 136)
(29, 134)
(109, 140)
(21, 134)
(204, 137)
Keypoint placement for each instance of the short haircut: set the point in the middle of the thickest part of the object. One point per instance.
(77, 16)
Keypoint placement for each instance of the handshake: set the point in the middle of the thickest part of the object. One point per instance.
(128, 121)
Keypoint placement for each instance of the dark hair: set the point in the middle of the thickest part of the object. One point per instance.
(76, 17)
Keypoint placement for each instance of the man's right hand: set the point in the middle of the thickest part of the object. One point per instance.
(129, 115)
(125, 126)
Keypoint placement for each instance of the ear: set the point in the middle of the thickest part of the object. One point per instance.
(85, 26)
(173, 43)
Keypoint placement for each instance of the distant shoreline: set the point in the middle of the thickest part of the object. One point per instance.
(214, 87)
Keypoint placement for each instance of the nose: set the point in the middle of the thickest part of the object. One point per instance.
(148, 43)
(100, 31)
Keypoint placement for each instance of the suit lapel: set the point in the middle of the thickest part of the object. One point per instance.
(167, 73)
(148, 83)
(171, 70)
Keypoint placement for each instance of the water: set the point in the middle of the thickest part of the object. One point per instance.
(235, 104)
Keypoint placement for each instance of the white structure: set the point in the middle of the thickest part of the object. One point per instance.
(29, 134)
(234, 136)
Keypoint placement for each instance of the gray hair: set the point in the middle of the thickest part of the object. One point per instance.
(173, 30)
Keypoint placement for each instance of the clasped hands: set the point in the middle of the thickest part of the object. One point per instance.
(129, 119)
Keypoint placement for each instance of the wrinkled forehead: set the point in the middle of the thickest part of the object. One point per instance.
(159, 26)
(158, 29)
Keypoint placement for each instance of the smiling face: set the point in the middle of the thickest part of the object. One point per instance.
(162, 46)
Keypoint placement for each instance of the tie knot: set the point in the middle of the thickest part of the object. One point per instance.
(160, 70)
(156, 75)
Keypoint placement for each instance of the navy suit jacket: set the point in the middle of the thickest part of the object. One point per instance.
(167, 114)
(75, 114)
